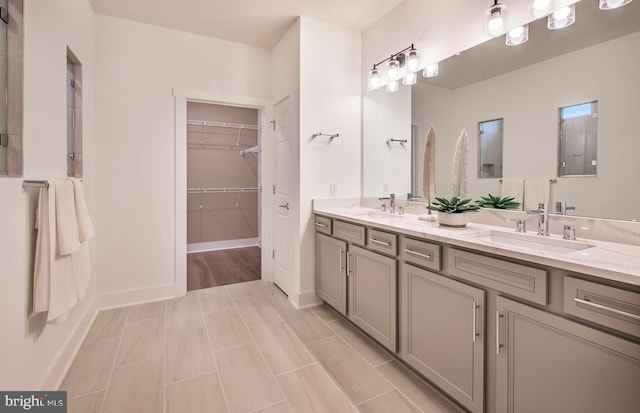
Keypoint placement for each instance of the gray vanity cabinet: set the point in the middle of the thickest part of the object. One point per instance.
(546, 363)
(331, 271)
(442, 333)
(373, 295)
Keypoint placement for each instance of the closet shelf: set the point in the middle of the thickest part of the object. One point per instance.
(221, 124)
(218, 190)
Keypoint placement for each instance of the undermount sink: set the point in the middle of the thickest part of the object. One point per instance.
(378, 215)
(530, 242)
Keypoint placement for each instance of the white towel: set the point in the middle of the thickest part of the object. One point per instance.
(60, 278)
(85, 228)
(515, 188)
(536, 191)
(67, 221)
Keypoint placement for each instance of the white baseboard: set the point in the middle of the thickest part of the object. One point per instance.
(58, 370)
(137, 296)
(222, 245)
(304, 300)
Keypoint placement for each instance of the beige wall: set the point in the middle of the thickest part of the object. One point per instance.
(330, 102)
(138, 66)
(34, 354)
(214, 161)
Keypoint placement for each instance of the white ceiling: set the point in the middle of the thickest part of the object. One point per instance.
(255, 22)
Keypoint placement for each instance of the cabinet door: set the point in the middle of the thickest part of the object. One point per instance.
(442, 333)
(331, 273)
(372, 295)
(546, 363)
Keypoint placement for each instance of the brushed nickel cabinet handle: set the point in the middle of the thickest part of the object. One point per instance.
(604, 307)
(417, 254)
(318, 224)
(498, 345)
(375, 241)
(474, 309)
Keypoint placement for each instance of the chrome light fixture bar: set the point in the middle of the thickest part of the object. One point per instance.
(406, 57)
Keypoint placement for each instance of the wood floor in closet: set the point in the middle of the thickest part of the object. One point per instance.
(214, 268)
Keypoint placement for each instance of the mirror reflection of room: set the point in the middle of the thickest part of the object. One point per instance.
(528, 86)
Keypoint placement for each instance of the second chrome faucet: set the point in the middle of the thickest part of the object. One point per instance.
(543, 218)
(392, 203)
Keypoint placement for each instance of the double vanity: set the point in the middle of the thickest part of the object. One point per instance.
(499, 321)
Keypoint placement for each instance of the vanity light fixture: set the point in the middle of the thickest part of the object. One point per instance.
(494, 19)
(540, 8)
(431, 70)
(412, 59)
(407, 57)
(394, 68)
(374, 78)
(613, 4)
(561, 18)
(517, 36)
(410, 79)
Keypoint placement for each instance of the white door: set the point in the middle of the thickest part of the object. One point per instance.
(282, 198)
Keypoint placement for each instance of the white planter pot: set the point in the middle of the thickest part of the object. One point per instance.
(453, 220)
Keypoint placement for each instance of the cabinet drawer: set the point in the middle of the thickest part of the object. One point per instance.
(383, 242)
(323, 224)
(349, 232)
(424, 254)
(609, 306)
(518, 280)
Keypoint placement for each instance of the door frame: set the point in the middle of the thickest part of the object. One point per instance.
(264, 107)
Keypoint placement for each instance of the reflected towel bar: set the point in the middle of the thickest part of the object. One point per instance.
(388, 141)
(552, 180)
(315, 135)
(26, 184)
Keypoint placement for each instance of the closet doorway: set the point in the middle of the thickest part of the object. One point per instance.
(223, 195)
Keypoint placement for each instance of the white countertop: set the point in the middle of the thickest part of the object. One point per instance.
(608, 260)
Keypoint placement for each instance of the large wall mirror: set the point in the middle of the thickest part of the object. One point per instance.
(597, 59)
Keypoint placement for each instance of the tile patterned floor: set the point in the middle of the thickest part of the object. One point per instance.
(238, 348)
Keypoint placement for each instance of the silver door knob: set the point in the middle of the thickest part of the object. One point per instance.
(284, 206)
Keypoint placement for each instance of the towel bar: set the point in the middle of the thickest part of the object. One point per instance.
(26, 184)
(552, 180)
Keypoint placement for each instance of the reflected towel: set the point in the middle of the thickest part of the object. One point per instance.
(535, 192)
(60, 278)
(515, 188)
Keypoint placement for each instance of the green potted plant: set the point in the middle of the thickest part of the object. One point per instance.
(452, 212)
(497, 202)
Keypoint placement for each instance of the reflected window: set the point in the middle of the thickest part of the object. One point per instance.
(490, 149)
(578, 131)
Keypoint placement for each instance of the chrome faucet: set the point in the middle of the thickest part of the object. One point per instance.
(392, 202)
(543, 218)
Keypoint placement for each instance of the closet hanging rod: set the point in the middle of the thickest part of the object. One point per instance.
(30, 183)
(221, 124)
(218, 190)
